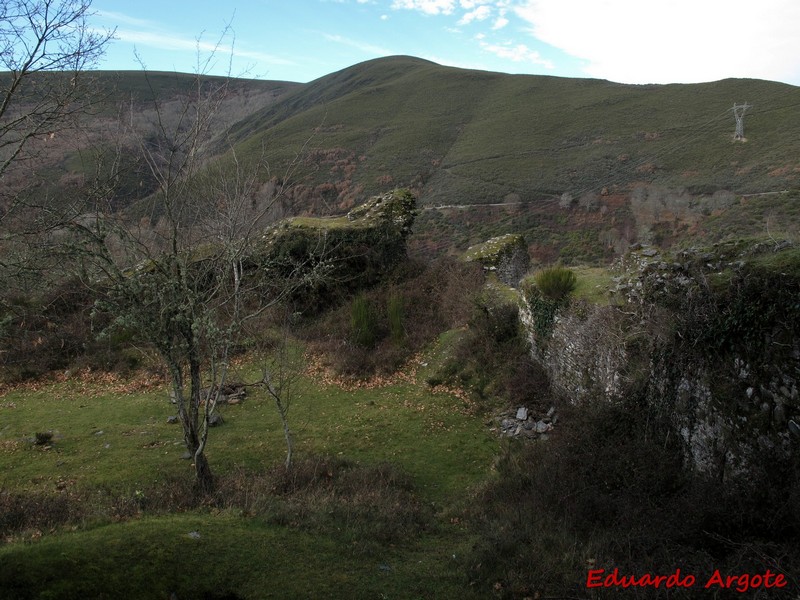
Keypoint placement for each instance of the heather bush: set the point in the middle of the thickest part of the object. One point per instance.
(492, 358)
(366, 503)
(22, 512)
(56, 330)
(380, 329)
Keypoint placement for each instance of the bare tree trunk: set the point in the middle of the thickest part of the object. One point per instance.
(287, 434)
(204, 476)
(283, 411)
(196, 428)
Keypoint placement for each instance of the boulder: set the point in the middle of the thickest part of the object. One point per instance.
(506, 255)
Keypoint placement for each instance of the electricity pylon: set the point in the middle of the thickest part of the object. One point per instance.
(738, 114)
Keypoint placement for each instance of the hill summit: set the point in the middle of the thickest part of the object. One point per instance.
(488, 153)
(581, 167)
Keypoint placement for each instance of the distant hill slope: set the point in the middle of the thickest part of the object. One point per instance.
(581, 167)
(465, 136)
(120, 118)
(145, 85)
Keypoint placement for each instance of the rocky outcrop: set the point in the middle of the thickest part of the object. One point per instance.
(332, 257)
(394, 210)
(506, 255)
(709, 338)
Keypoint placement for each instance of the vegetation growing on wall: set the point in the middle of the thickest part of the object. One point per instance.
(357, 250)
(547, 292)
(491, 358)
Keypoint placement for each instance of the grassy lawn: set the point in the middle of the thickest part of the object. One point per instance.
(593, 284)
(112, 441)
(225, 556)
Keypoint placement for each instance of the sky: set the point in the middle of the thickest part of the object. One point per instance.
(627, 41)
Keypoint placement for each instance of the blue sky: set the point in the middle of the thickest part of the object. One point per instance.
(629, 41)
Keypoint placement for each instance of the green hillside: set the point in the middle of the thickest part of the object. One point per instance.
(581, 167)
(481, 134)
(461, 137)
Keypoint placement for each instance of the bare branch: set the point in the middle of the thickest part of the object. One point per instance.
(46, 46)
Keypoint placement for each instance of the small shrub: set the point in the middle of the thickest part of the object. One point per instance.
(22, 512)
(421, 301)
(556, 283)
(363, 322)
(492, 357)
(366, 504)
(394, 314)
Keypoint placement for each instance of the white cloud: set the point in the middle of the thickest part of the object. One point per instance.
(122, 18)
(429, 7)
(165, 41)
(635, 41)
(384, 17)
(517, 53)
(481, 13)
(499, 23)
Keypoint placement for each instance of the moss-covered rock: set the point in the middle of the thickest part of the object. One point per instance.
(337, 256)
(507, 255)
(395, 210)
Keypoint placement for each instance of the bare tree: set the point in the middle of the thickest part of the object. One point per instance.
(281, 370)
(188, 268)
(46, 47)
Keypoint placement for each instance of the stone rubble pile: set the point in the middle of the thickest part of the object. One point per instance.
(231, 393)
(523, 423)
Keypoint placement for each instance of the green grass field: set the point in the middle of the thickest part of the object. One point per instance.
(113, 449)
(234, 557)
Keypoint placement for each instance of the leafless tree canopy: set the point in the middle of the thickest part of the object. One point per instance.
(38, 36)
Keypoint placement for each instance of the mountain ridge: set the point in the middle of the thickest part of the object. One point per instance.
(583, 164)
(510, 115)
